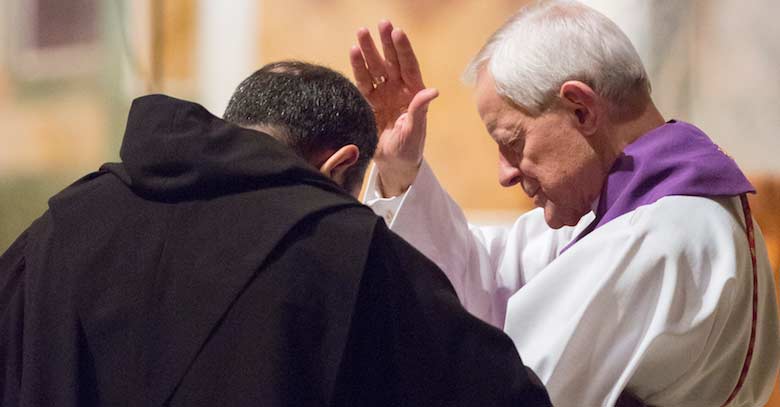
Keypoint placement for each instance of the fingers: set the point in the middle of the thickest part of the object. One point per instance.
(388, 48)
(399, 62)
(407, 61)
(363, 78)
(374, 62)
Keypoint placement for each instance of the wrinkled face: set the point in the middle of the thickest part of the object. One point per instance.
(546, 155)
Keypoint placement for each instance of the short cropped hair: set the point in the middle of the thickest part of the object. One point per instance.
(544, 45)
(311, 107)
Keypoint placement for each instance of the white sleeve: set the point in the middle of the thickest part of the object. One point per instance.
(656, 301)
(486, 265)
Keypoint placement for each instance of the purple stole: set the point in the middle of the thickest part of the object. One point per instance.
(674, 159)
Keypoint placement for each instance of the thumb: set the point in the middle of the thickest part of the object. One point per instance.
(414, 125)
(419, 104)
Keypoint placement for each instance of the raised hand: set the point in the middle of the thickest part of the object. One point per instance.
(394, 87)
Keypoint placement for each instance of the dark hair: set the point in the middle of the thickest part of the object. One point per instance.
(314, 107)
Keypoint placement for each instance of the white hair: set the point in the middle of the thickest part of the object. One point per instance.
(542, 46)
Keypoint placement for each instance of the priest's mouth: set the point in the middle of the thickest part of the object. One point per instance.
(529, 191)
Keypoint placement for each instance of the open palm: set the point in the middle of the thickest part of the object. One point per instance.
(394, 87)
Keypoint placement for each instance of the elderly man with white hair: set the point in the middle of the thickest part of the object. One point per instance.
(641, 271)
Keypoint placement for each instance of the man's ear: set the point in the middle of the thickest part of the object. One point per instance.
(336, 166)
(584, 105)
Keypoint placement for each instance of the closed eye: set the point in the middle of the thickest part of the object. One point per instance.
(517, 141)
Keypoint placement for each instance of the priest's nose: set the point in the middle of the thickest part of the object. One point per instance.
(508, 174)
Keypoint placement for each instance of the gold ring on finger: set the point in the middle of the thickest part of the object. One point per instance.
(379, 80)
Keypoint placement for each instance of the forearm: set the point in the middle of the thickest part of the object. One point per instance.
(432, 222)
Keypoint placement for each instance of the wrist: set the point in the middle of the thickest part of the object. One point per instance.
(396, 181)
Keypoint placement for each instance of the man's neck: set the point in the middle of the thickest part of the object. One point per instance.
(622, 133)
(629, 131)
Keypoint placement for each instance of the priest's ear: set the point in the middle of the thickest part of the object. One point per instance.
(582, 102)
(337, 165)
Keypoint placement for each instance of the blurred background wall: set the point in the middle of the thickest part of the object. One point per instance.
(69, 70)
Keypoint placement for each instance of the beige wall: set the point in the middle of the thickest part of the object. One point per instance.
(56, 128)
